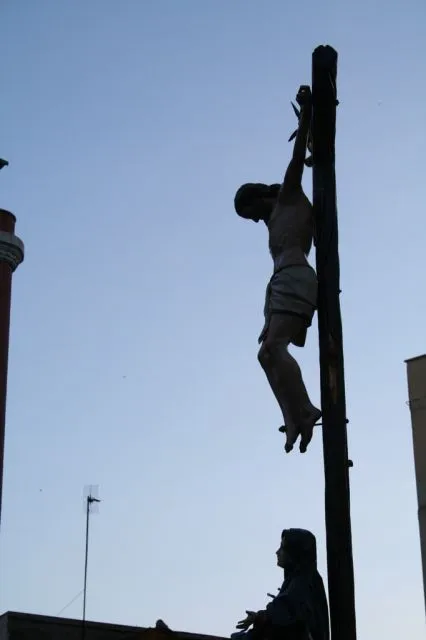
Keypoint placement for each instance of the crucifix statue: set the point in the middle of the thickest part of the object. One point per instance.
(291, 295)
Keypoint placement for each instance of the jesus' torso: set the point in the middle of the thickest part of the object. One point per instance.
(291, 230)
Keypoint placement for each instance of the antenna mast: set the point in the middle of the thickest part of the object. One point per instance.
(91, 502)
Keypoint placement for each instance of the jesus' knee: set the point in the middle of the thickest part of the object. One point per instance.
(268, 355)
(264, 357)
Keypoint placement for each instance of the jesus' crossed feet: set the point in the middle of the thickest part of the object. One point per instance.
(305, 429)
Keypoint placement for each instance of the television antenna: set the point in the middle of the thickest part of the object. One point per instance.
(91, 502)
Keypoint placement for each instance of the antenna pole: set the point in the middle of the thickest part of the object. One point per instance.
(86, 557)
(89, 500)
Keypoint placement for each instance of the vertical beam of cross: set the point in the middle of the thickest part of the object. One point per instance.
(336, 462)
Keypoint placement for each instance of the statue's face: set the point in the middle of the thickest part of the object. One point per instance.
(282, 554)
(259, 209)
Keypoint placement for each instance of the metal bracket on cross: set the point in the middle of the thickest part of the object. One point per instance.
(282, 429)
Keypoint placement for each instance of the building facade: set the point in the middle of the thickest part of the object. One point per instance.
(416, 374)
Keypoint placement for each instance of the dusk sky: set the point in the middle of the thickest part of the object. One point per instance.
(128, 127)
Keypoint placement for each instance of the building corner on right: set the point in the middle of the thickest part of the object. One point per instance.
(416, 374)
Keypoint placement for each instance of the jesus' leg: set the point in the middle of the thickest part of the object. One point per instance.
(288, 382)
(267, 364)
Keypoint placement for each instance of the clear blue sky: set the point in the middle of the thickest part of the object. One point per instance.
(128, 126)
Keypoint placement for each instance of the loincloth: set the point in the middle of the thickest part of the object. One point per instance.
(292, 290)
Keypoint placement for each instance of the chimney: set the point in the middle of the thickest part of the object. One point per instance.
(11, 256)
(416, 373)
